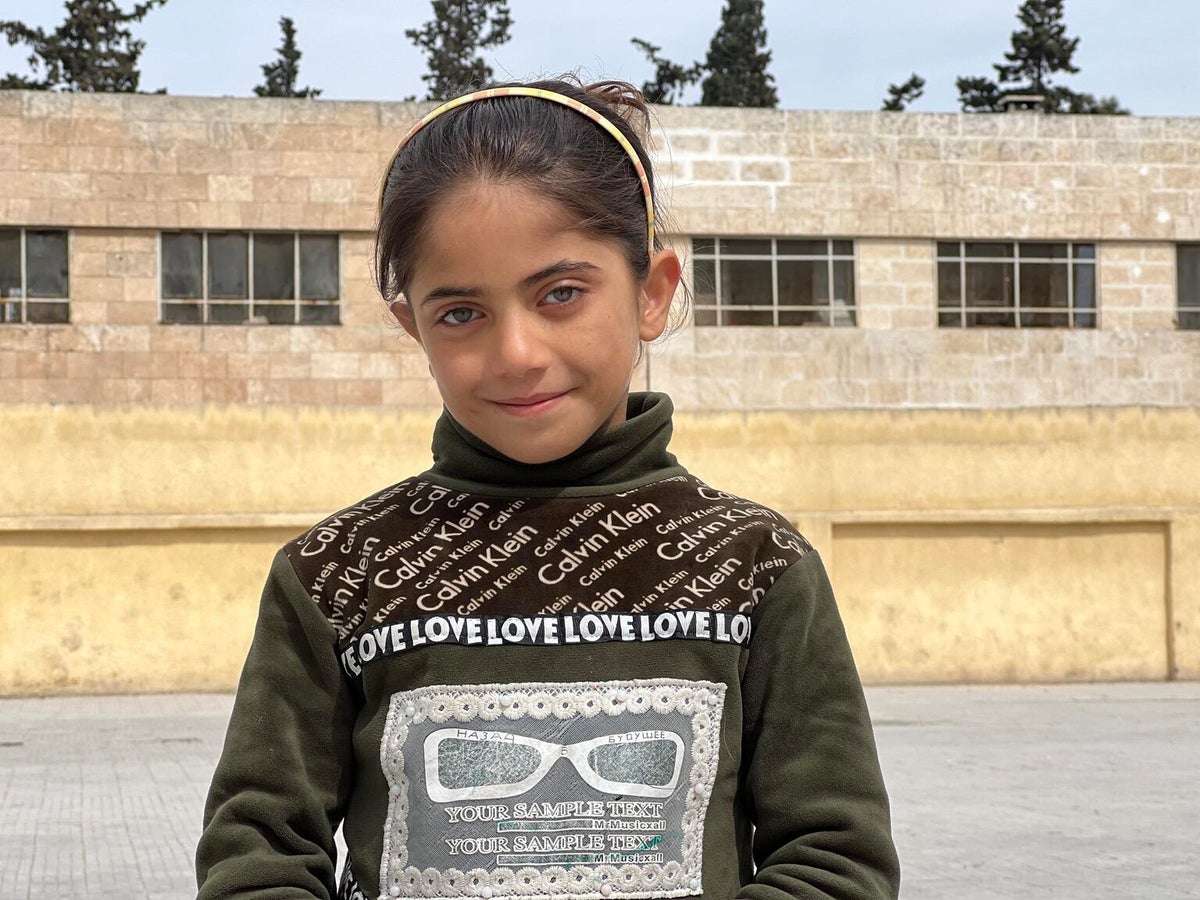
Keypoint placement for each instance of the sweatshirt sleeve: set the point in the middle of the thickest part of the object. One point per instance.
(819, 807)
(279, 789)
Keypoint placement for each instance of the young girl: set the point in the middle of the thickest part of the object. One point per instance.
(555, 665)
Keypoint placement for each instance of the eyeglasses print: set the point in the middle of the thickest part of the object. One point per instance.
(462, 764)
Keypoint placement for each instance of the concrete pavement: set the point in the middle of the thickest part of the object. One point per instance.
(1085, 791)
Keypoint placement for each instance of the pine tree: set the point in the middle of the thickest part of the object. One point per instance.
(901, 95)
(92, 51)
(670, 78)
(452, 40)
(1040, 50)
(279, 77)
(737, 60)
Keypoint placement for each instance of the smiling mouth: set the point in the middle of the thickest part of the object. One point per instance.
(532, 405)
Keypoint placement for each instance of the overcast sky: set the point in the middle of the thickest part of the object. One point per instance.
(838, 55)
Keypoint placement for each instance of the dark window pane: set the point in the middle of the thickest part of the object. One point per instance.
(320, 314)
(949, 319)
(978, 249)
(704, 282)
(1044, 285)
(746, 247)
(318, 267)
(1189, 319)
(10, 264)
(804, 317)
(843, 293)
(1187, 274)
(182, 256)
(182, 313)
(989, 284)
(1045, 320)
(1085, 287)
(274, 266)
(843, 248)
(275, 313)
(1085, 251)
(10, 311)
(46, 263)
(1043, 251)
(1085, 320)
(705, 316)
(803, 248)
(991, 319)
(227, 278)
(746, 317)
(803, 283)
(949, 284)
(703, 245)
(228, 313)
(48, 313)
(948, 248)
(745, 283)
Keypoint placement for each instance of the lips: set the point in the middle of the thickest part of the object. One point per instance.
(532, 404)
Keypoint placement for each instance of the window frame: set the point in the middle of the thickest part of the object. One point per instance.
(1016, 260)
(830, 257)
(1187, 315)
(23, 263)
(253, 317)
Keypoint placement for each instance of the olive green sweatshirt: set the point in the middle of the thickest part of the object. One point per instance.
(594, 678)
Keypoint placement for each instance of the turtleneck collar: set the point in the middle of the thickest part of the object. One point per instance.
(630, 453)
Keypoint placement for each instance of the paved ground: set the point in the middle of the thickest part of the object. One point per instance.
(998, 792)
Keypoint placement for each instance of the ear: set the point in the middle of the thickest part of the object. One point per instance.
(404, 315)
(657, 292)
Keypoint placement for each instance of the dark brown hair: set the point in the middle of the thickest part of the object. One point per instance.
(554, 150)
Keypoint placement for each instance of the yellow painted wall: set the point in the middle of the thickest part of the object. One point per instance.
(1013, 545)
(1004, 602)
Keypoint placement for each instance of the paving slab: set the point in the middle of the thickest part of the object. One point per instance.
(998, 792)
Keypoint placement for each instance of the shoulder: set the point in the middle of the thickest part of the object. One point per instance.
(331, 559)
(703, 526)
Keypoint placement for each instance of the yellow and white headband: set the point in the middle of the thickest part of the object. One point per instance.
(553, 97)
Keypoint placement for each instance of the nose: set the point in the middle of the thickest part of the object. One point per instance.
(519, 345)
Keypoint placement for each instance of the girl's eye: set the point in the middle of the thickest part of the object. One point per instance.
(460, 315)
(564, 293)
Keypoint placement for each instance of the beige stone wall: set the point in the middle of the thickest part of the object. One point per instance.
(116, 169)
(881, 174)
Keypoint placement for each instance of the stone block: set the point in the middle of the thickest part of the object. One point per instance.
(224, 392)
(712, 170)
(331, 190)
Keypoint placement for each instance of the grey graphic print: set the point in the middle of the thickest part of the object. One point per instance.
(419, 550)
(586, 790)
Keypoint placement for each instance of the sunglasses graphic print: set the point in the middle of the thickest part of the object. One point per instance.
(487, 765)
(582, 790)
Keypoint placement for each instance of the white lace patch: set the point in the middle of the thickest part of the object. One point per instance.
(580, 790)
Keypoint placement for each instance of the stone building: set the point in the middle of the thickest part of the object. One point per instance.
(961, 352)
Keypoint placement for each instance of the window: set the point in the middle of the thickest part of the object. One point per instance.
(1187, 277)
(33, 276)
(773, 281)
(1001, 284)
(238, 277)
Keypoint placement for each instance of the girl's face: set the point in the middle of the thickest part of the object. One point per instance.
(531, 328)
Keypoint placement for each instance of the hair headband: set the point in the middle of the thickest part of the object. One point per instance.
(553, 97)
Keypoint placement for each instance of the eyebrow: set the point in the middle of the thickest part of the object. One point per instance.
(562, 267)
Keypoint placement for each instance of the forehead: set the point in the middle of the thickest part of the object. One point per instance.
(497, 231)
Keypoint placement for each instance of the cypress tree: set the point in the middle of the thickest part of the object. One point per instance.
(737, 60)
(452, 39)
(92, 51)
(901, 95)
(670, 78)
(279, 77)
(1040, 50)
